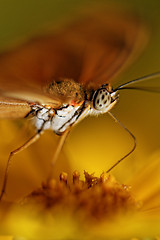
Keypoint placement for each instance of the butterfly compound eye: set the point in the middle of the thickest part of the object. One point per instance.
(101, 99)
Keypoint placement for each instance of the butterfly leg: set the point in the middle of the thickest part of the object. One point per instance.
(58, 150)
(131, 135)
(60, 146)
(21, 148)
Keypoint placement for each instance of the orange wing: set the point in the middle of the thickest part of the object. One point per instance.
(91, 51)
(13, 108)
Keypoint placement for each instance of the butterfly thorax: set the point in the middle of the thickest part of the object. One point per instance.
(67, 90)
(79, 103)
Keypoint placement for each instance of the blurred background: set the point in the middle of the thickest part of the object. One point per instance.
(95, 143)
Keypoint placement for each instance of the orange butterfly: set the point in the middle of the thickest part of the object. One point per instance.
(61, 77)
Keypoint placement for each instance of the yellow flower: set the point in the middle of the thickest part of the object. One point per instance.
(93, 208)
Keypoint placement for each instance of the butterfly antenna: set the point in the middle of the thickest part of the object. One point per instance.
(133, 137)
(137, 80)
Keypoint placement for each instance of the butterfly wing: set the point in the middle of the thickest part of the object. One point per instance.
(13, 108)
(21, 80)
(90, 50)
(115, 40)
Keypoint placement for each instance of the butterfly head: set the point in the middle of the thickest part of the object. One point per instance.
(104, 98)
